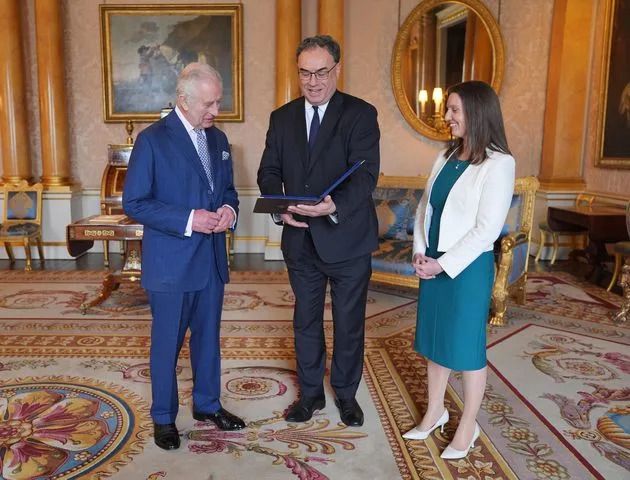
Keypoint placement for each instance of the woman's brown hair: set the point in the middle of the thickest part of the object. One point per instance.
(484, 121)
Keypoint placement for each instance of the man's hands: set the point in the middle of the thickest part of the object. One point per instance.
(323, 208)
(426, 267)
(205, 221)
(287, 219)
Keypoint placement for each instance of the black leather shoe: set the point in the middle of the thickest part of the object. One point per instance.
(166, 435)
(302, 410)
(350, 412)
(221, 418)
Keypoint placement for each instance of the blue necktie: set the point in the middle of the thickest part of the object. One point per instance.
(312, 134)
(204, 155)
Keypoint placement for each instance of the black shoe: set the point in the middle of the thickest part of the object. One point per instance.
(302, 410)
(221, 418)
(350, 412)
(166, 435)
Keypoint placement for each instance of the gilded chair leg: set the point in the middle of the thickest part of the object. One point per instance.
(616, 271)
(9, 249)
(106, 253)
(540, 246)
(40, 250)
(27, 252)
(556, 246)
(520, 290)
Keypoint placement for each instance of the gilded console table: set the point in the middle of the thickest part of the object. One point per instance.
(81, 235)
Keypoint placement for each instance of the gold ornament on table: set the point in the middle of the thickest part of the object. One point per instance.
(129, 129)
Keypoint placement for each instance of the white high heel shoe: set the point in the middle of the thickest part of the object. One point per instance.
(451, 453)
(416, 434)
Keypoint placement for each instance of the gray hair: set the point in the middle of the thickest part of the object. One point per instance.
(193, 73)
(322, 41)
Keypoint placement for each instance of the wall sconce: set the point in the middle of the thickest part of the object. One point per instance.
(437, 99)
(423, 96)
(437, 119)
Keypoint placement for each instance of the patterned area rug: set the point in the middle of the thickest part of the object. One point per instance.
(74, 391)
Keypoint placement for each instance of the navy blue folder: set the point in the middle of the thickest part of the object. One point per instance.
(280, 203)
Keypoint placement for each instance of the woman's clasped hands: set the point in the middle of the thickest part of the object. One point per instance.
(426, 267)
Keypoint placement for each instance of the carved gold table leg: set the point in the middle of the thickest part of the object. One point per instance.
(109, 284)
(624, 314)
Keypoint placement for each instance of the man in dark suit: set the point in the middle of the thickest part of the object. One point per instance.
(179, 186)
(311, 142)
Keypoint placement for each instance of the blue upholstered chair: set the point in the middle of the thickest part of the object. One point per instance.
(22, 219)
(396, 200)
(621, 250)
(512, 249)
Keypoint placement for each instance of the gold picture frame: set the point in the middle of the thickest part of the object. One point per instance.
(613, 127)
(144, 47)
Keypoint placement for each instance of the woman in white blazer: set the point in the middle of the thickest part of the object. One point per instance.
(459, 218)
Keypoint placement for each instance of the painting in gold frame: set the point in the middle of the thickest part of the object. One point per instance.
(613, 132)
(145, 47)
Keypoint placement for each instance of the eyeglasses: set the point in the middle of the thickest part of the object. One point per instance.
(321, 74)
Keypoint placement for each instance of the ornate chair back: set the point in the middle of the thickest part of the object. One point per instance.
(22, 218)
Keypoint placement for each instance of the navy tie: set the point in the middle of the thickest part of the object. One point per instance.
(312, 134)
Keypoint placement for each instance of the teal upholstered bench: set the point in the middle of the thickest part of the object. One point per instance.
(396, 200)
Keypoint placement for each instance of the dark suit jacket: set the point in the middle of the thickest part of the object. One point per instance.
(164, 182)
(348, 133)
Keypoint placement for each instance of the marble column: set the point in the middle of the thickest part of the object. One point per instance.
(13, 120)
(288, 37)
(53, 104)
(330, 22)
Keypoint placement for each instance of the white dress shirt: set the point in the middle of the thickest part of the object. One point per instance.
(193, 138)
(309, 112)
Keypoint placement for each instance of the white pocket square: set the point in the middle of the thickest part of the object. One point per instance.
(225, 155)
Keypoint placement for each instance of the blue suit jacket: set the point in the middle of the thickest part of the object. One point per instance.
(165, 181)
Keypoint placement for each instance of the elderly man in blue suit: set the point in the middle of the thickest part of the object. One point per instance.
(179, 185)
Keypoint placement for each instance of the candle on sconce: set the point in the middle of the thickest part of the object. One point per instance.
(437, 98)
(423, 96)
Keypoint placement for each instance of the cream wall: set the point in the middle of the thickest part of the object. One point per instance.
(599, 179)
(370, 32)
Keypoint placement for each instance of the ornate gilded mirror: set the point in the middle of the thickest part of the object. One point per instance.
(442, 43)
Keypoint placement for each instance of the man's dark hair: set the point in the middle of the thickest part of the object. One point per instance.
(484, 122)
(323, 41)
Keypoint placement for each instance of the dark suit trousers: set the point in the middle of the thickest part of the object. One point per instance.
(349, 280)
(173, 314)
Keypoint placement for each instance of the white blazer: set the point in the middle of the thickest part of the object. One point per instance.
(474, 212)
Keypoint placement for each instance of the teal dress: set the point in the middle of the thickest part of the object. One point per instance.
(452, 312)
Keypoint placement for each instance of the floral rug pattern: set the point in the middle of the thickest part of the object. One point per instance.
(75, 391)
